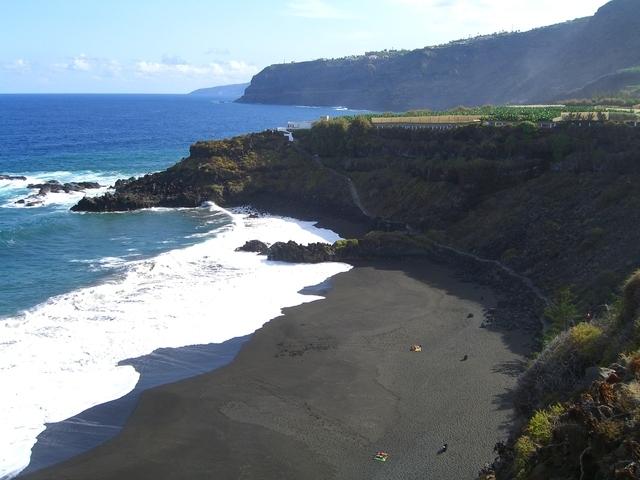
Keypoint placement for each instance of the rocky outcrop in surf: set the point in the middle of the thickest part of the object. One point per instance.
(12, 177)
(254, 246)
(53, 186)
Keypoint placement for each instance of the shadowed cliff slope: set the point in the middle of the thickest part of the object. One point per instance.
(536, 66)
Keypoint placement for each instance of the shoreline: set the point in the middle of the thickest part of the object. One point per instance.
(240, 274)
(91, 428)
(268, 445)
(65, 440)
(53, 444)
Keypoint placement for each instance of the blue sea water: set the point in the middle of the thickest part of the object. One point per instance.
(81, 292)
(46, 251)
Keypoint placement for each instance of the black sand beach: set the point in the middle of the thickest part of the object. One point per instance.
(315, 393)
(91, 428)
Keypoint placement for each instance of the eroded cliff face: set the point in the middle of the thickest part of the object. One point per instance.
(536, 66)
(253, 169)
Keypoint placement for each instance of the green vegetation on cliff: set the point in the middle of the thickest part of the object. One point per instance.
(237, 171)
(559, 207)
(593, 370)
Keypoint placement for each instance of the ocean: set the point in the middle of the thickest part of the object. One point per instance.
(81, 293)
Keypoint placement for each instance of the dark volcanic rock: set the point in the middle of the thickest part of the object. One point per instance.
(78, 186)
(254, 169)
(112, 202)
(254, 246)
(293, 252)
(123, 202)
(53, 186)
(11, 177)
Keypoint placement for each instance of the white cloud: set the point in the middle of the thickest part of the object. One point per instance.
(20, 65)
(160, 68)
(100, 67)
(80, 63)
(314, 9)
(170, 69)
(233, 70)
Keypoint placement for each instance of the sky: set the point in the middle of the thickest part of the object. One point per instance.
(169, 46)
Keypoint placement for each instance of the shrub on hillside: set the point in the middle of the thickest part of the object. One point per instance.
(560, 367)
(540, 427)
(561, 314)
(329, 137)
(357, 137)
(584, 337)
(524, 449)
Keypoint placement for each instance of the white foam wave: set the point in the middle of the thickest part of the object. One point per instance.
(13, 190)
(61, 357)
(108, 263)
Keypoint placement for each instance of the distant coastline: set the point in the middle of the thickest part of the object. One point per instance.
(223, 92)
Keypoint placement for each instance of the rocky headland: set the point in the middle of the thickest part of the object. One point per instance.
(558, 207)
(531, 213)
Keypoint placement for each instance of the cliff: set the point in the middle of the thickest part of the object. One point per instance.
(260, 169)
(558, 206)
(541, 65)
(523, 207)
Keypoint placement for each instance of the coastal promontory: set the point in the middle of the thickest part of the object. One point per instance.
(544, 65)
(547, 217)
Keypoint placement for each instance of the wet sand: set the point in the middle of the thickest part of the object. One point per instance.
(316, 392)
